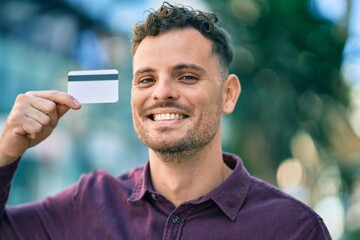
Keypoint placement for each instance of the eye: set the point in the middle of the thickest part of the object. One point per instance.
(146, 80)
(188, 78)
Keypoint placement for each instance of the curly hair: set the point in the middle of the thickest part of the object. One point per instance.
(169, 17)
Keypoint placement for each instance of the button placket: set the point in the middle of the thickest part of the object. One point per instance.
(176, 220)
(153, 196)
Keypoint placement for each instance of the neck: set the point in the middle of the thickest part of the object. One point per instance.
(189, 177)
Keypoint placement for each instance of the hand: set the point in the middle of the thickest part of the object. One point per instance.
(31, 120)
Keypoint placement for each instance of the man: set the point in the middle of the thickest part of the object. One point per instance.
(189, 189)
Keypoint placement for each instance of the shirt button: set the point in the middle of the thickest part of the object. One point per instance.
(153, 196)
(176, 220)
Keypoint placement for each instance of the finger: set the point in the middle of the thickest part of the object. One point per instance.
(58, 97)
(45, 131)
(41, 109)
(53, 103)
(29, 127)
(31, 136)
(61, 110)
(39, 116)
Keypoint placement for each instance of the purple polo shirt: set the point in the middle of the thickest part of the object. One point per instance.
(101, 206)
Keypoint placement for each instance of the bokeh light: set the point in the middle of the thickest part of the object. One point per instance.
(290, 174)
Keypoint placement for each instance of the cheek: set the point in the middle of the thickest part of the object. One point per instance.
(211, 98)
(132, 103)
(139, 101)
(136, 100)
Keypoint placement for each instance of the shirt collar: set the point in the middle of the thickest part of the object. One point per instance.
(229, 196)
(142, 185)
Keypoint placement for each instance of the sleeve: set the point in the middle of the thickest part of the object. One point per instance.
(6, 176)
(319, 232)
(46, 219)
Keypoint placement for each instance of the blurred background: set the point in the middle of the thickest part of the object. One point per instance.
(297, 123)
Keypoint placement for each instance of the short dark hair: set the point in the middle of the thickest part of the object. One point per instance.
(169, 17)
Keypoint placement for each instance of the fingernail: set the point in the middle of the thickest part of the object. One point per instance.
(76, 103)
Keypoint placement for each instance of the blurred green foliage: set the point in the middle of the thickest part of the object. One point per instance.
(288, 63)
(295, 104)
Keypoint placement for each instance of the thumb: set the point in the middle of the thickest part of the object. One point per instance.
(61, 110)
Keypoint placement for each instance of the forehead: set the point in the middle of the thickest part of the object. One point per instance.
(173, 47)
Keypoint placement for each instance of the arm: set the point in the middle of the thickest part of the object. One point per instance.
(31, 120)
(6, 175)
(51, 218)
(319, 232)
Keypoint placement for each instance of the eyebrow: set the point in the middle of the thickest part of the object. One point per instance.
(144, 70)
(177, 67)
(190, 66)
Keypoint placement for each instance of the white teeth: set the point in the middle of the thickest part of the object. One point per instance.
(168, 117)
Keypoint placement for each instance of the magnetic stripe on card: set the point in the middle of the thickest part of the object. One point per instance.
(93, 77)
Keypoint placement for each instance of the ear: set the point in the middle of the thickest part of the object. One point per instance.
(231, 93)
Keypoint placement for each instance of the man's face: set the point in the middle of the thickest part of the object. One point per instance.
(176, 92)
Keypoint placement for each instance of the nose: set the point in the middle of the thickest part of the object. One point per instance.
(165, 89)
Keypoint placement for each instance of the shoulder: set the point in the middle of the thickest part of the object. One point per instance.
(268, 195)
(100, 181)
(99, 176)
(272, 205)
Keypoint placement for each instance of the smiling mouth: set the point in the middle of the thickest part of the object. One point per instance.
(167, 117)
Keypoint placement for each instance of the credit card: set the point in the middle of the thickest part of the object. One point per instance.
(94, 86)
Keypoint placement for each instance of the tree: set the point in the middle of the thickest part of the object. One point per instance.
(288, 63)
